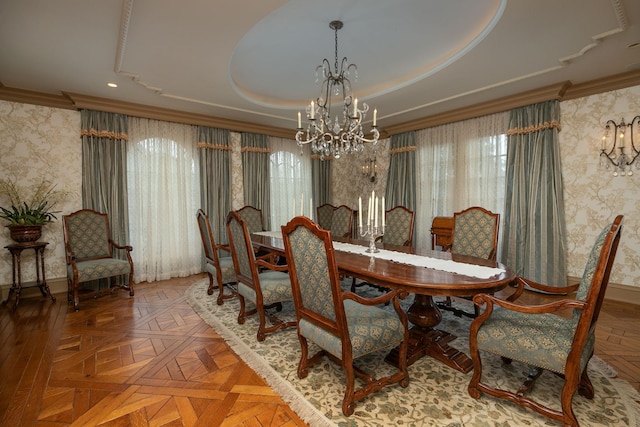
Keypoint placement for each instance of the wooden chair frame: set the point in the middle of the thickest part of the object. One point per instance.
(211, 257)
(73, 261)
(256, 265)
(339, 327)
(587, 309)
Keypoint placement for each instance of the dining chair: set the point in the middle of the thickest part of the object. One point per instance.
(536, 335)
(324, 215)
(398, 231)
(90, 257)
(219, 269)
(475, 233)
(253, 217)
(398, 227)
(342, 324)
(342, 222)
(260, 280)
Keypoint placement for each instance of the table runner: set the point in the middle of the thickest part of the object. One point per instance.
(450, 266)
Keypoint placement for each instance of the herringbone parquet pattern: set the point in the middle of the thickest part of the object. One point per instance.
(151, 361)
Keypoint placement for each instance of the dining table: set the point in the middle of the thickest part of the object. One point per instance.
(423, 272)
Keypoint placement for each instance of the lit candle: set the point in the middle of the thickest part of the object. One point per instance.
(604, 140)
(355, 107)
(383, 212)
(300, 121)
(375, 116)
(313, 110)
(621, 139)
(369, 212)
(360, 212)
(375, 209)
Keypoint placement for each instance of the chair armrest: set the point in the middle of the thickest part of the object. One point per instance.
(271, 266)
(377, 300)
(548, 289)
(117, 246)
(222, 247)
(551, 307)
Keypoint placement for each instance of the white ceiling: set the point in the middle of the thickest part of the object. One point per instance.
(255, 61)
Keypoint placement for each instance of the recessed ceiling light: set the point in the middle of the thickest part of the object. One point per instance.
(112, 84)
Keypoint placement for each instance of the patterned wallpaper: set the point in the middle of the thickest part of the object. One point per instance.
(40, 142)
(46, 140)
(593, 196)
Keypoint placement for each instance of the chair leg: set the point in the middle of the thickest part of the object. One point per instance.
(348, 405)
(210, 288)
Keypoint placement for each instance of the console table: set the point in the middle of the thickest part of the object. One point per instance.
(17, 285)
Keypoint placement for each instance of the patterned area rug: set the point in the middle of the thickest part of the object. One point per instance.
(436, 396)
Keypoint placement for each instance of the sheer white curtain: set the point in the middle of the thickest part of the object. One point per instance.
(461, 164)
(290, 181)
(164, 190)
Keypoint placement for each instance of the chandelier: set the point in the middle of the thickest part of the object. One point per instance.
(334, 133)
(626, 156)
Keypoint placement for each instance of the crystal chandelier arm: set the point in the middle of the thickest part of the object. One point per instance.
(635, 151)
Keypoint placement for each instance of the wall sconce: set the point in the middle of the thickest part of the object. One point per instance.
(369, 169)
(627, 154)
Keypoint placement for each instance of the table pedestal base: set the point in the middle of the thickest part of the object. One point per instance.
(424, 339)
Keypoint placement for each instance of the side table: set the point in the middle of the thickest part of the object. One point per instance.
(41, 282)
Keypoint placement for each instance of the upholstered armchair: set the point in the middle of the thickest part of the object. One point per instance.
(342, 222)
(89, 254)
(537, 336)
(475, 233)
(220, 270)
(260, 280)
(252, 217)
(324, 215)
(344, 325)
(398, 227)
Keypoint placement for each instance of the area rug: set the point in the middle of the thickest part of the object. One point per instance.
(436, 396)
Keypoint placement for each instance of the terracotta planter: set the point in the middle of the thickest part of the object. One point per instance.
(25, 233)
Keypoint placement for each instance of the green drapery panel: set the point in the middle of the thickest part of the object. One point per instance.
(534, 237)
(255, 174)
(104, 168)
(401, 179)
(321, 180)
(214, 153)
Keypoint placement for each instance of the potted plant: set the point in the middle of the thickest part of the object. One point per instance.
(27, 215)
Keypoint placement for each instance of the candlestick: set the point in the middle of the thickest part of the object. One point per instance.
(313, 110)
(375, 222)
(375, 116)
(355, 107)
(300, 121)
(369, 212)
(360, 211)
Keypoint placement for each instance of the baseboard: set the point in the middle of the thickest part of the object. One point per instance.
(56, 286)
(617, 292)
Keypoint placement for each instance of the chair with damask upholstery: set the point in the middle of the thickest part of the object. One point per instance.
(253, 217)
(543, 336)
(324, 215)
(219, 269)
(90, 255)
(475, 233)
(398, 231)
(342, 222)
(344, 325)
(398, 228)
(260, 280)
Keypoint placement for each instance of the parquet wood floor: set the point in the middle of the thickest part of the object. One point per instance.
(151, 361)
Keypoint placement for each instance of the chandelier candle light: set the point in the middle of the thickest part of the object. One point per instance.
(372, 230)
(334, 134)
(622, 162)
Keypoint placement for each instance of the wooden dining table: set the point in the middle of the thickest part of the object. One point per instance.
(425, 283)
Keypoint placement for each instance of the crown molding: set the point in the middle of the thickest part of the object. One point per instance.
(561, 91)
